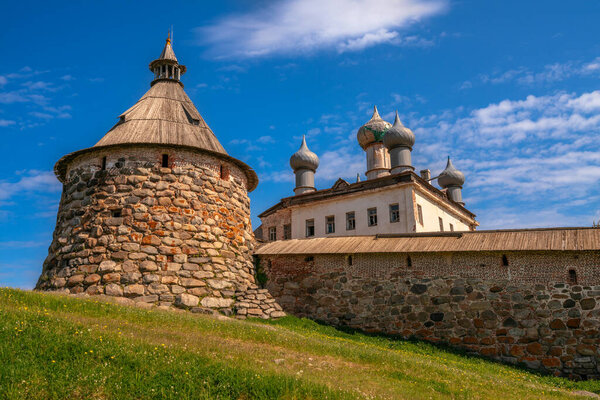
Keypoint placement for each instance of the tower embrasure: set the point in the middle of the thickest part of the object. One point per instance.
(157, 212)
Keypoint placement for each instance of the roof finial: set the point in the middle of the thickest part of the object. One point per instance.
(375, 113)
(169, 37)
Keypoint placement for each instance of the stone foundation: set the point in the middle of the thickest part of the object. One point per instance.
(173, 237)
(553, 327)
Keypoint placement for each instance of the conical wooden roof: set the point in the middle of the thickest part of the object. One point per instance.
(164, 115)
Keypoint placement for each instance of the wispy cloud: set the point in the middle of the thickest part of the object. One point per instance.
(29, 181)
(303, 26)
(25, 89)
(550, 73)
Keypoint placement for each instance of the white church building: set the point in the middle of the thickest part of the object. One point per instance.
(393, 199)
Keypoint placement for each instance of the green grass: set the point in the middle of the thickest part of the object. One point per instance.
(57, 347)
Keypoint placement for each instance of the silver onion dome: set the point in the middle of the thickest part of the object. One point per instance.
(304, 158)
(398, 135)
(372, 131)
(451, 176)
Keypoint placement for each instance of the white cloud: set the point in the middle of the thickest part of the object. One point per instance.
(31, 181)
(368, 40)
(6, 122)
(527, 161)
(308, 25)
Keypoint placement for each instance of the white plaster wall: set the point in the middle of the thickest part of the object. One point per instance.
(431, 214)
(380, 198)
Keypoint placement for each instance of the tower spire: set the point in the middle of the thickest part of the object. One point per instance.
(166, 66)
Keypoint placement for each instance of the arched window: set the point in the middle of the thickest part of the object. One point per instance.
(165, 161)
(572, 277)
(504, 260)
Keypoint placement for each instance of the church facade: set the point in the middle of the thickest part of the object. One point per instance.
(393, 199)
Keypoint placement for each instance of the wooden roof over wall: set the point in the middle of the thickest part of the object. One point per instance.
(551, 239)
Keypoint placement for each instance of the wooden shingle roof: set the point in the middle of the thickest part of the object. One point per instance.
(551, 239)
(164, 115)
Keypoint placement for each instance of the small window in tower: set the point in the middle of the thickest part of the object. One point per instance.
(309, 258)
(504, 260)
(273, 233)
(441, 224)
(116, 213)
(408, 262)
(420, 213)
(224, 172)
(572, 277)
(165, 161)
(394, 213)
(287, 231)
(103, 163)
(350, 260)
(451, 228)
(372, 216)
(330, 224)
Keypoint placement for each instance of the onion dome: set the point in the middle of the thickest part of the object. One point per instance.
(304, 158)
(398, 135)
(451, 176)
(372, 131)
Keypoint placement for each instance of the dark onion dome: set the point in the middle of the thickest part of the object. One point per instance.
(398, 135)
(372, 131)
(304, 158)
(451, 176)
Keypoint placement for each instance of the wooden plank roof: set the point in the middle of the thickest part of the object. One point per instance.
(551, 239)
(164, 115)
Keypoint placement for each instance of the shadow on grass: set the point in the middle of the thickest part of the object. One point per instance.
(419, 346)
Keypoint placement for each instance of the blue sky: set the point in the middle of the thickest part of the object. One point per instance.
(510, 90)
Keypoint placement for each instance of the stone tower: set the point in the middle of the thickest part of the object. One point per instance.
(157, 211)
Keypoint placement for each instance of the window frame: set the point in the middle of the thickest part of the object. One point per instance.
(272, 233)
(441, 221)
(287, 231)
(312, 225)
(420, 214)
(329, 223)
(353, 220)
(392, 212)
(372, 221)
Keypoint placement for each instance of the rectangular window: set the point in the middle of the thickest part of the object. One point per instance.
(451, 228)
(310, 227)
(350, 221)
(441, 224)
(330, 224)
(287, 231)
(420, 213)
(103, 163)
(394, 213)
(165, 161)
(372, 216)
(273, 233)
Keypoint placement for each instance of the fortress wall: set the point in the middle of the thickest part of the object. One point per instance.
(525, 313)
(177, 236)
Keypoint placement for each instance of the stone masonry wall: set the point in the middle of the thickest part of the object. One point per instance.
(177, 236)
(544, 325)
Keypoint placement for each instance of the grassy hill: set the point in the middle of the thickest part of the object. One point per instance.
(57, 347)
